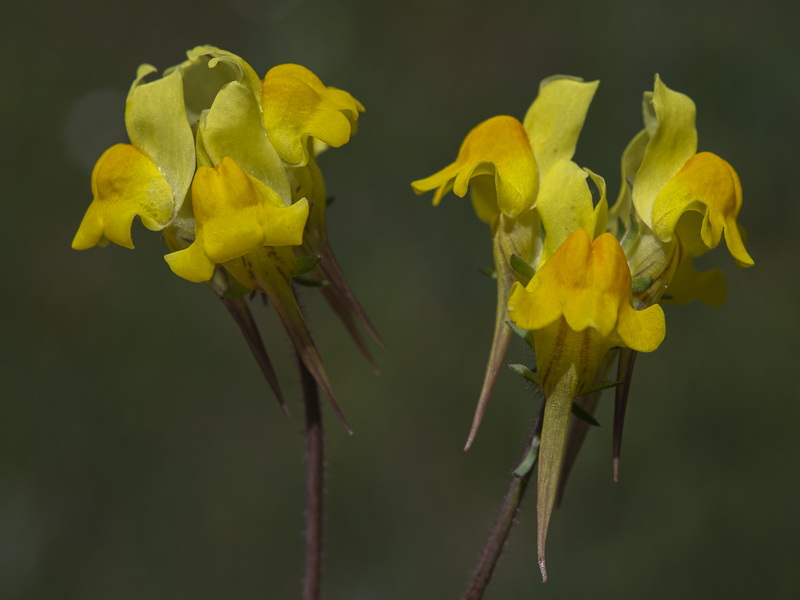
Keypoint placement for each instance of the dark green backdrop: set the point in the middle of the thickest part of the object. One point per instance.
(141, 455)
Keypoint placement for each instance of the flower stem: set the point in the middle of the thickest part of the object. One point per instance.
(505, 519)
(314, 485)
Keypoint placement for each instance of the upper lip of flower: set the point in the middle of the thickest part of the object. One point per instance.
(499, 147)
(673, 178)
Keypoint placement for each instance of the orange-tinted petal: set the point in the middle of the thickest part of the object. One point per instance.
(125, 184)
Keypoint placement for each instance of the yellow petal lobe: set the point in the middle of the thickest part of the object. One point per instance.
(589, 284)
(235, 214)
(565, 204)
(125, 184)
(670, 123)
(498, 148)
(707, 184)
(555, 119)
(297, 105)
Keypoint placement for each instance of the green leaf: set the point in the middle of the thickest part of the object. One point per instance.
(581, 414)
(530, 459)
(304, 264)
(308, 282)
(522, 268)
(525, 372)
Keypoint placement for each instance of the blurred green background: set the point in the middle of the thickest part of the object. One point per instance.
(141, 454)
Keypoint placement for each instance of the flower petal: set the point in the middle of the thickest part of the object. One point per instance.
(709, 185)
(297, 105)
(155, 117)
(555, 119)
(207, 70)
(590, 285)
(670, 122)
(690, 284)
(498, 147)
(235, 214)
(125, 183)
(565, 205)
(631, 160)
(233, 128)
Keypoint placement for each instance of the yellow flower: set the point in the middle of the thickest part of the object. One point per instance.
(668, 183)
(125, 184)
(578, 307)
(498, 155)
(673, 178)
(521, 176)
(303, 117)
(150, 176)
(298, 106)
(235, 214)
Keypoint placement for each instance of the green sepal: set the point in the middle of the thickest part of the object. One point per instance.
(268, 270)
(555, 426)
(522, 268)
(525, 335)
(577, 410)
(602, 385)
(509, 236)
(641, 284)
(630, 236)
(304, 264)
(490, 272)
(525, 372)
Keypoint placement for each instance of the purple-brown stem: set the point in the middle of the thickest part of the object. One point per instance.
(312, 576)
(505, 518)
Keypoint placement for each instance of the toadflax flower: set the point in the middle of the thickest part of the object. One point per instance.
(681, 203)
(578, 306)
(580, 282)
(222, 162)
(509, 166)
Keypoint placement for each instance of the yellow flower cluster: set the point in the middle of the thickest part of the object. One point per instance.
(586, 280)
(223, 163)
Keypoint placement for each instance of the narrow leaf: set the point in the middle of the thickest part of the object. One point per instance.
(525, 372)
(522, 268)
(309, 282)
(578, 411)
(304, 264)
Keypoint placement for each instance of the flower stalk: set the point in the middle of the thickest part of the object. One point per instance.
(496, 541)
(312, 576)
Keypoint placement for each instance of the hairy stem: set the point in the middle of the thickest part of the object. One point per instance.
(505, 518)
